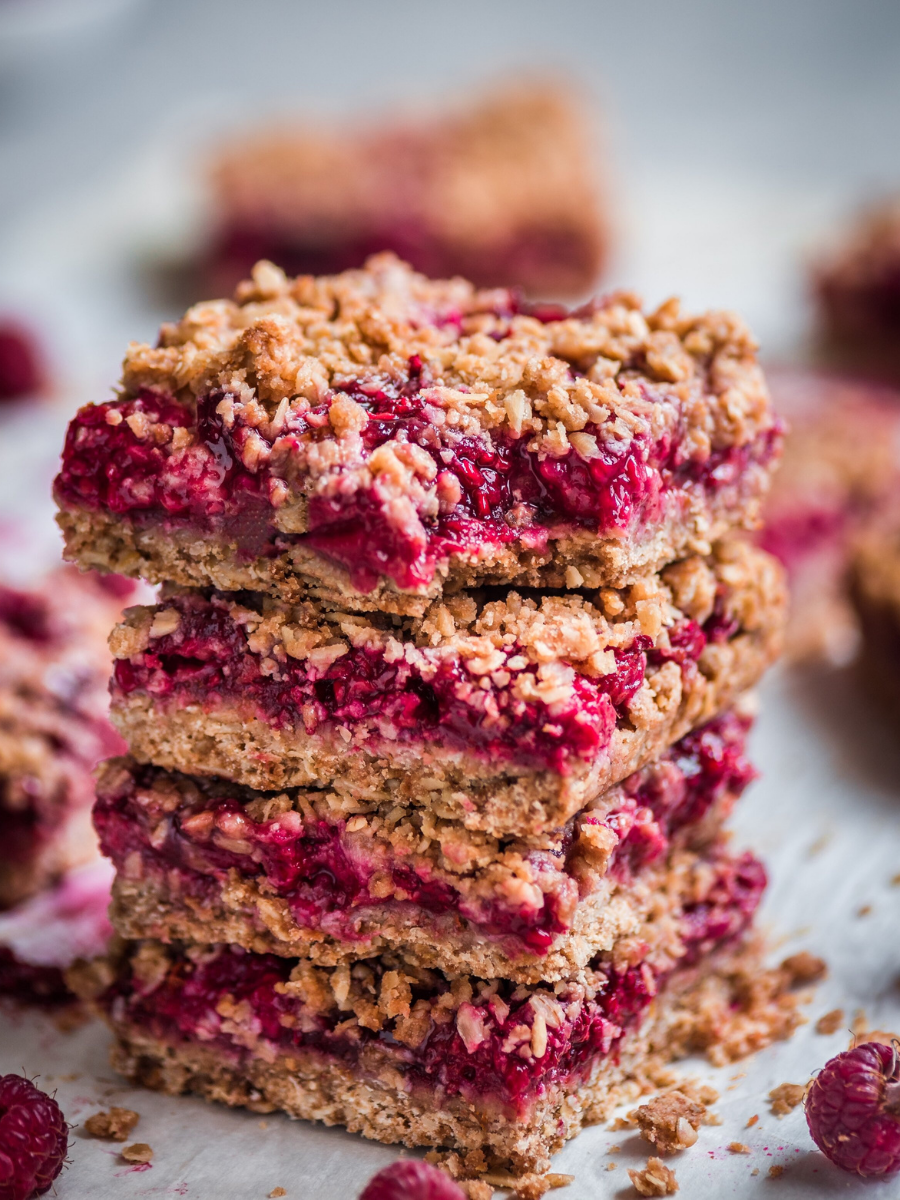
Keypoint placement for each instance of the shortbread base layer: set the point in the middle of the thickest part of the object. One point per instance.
(728, 1007)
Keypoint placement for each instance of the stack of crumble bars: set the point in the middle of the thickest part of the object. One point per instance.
(435, 727)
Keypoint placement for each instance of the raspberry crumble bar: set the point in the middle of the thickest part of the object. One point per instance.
(54, 727)
(374, 439)
(502, 193)
(403, 1053)
(509, 714)
(857, 285)
(840, 468)
(308, 873)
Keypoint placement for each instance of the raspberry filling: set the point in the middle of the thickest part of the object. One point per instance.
(207, 661)
(331, 883)
(492, 1050)
(120, 457)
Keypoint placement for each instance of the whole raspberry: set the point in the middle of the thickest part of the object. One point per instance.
(853, 1109)
(411, 1180)
(34, 1138)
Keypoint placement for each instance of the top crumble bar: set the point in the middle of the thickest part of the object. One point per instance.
(373, 439)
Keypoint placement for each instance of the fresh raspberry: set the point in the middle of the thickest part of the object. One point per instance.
(411, 1180)
(853, 1109)
(34, 1138)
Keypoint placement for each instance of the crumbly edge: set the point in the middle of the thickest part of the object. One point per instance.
(614, 918)
(107, 542)
(729, 1007)
(457, 786)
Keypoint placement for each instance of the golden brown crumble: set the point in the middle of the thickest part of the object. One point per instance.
(139, 1152)
(114, 1125)
(656, 1179)
(669, 1121)
(275, 1192)
(804, 968)
(775, 1171)
(785, 1098)
(830, 1022)
(738, 1148)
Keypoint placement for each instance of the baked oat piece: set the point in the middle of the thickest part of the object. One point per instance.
(54, 727)
(402, 1054)
(875, 587)
(508, 712)
(502, 193)
(307, 873)
(841, 466)
(373, 439)
(857, 286)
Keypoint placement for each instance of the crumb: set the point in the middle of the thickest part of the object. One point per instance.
(755, 1171)
(895, 881)
(775, 1171)
(830, 1022)
(739, 1075)
(804, 968)
(752, 1121)
(819, 844)
(531, 1187)
(614, 1150)
(885, 1036)
(263, 1124)
(700, 1093)
(865, 910)
(476, 1189)
(70, 1078)
(140, 1152)
(557, 1179)
(621, 1123)
(114, 1125)
(669, 1121)
(738, 1148)
(656, 1179)
(610, 1166)
(277, 1192)
(785, 1098)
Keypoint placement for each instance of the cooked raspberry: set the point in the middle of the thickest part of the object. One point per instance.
(20, 370)
(34, 1138)
(853, 1110)
(411, 1181)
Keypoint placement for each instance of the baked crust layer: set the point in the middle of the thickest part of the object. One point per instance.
(374, 438)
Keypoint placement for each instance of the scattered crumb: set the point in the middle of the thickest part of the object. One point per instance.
(785, 1098)
(656, 1179)
(669, 1121)
(755, 1171)
(531, 1187)
(610, 1166)
(620, 1123)
(140, 1152)
(819, 844)
(831, 1021)
(700, 1093)
(775, 1171)
(864, 911)
(477, 1189)
(740, 1075)
(70, 1078)
(263, 1124)
(885, 1036)
(752, 1121)
(557, 1179)
(114, 1125)
(895, 881)
(738, 1148)
(804, 968)
(614, 1150)
(282, 1192)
